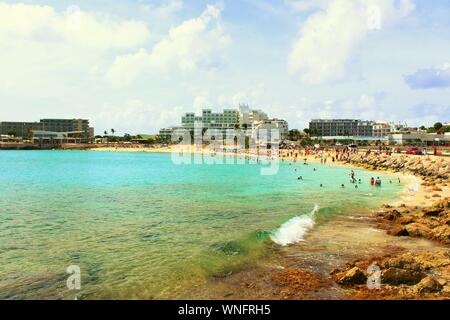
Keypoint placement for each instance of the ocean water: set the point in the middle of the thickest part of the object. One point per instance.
(140, 227)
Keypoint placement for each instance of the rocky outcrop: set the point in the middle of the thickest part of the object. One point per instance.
(352, 277)
(402, 276)
(436, 168)
(429, 222)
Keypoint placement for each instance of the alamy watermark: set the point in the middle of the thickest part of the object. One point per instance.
(374, 277)
(227, 147)
(74, 280)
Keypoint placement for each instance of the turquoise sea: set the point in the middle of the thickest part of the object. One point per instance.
(141, 227)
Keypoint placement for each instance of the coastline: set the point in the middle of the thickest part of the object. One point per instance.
(415, 265)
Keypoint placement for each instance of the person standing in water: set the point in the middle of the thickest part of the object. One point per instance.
(378, 182)
(372, 181)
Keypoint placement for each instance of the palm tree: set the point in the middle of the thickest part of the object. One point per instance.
(106, 133)
(113, 131)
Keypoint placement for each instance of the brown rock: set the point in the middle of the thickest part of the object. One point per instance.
(433, 211)
(352, 277)
(395, 276)
(392, 215)
(441, 233)
(417, 230)
(398, 231)
(429, 285)
(405, 220)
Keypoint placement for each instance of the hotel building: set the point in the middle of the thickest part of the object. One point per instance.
(341, 128)
(242, 118)
(48, 127)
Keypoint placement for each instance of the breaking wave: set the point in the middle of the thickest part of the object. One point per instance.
(294, 230)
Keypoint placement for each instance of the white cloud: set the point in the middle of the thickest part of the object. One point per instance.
(48, 52)
(164, 11)
(329, 38)
(195, 44)
(302, 5)
(74, 27)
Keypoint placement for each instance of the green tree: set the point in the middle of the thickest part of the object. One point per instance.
(113, 131)
(306, 131)
(423, 128)
(11, 133)
(438, 126)
(294, 135)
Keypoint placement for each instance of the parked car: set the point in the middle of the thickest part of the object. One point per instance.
(414, 151)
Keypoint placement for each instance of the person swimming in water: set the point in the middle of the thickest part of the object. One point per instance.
(321, 185)
(300, 178)
(342, 185)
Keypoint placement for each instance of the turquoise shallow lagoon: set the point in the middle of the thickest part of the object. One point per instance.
(139, 226)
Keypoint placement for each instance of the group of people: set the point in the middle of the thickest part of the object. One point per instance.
(373, 182)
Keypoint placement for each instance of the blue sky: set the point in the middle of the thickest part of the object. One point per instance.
(137, 66)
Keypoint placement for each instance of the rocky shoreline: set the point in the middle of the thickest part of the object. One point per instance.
(403, 274)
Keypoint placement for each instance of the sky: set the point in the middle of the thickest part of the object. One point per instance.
(137, 66)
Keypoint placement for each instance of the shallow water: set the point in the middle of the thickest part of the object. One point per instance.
(139, 226)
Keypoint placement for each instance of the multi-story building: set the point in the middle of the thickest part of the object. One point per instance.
(26, 129)
(68, 125)
(228, 119)
(242, 118)
(383, 129)
(265, 129)
(20, 129)
(341, 128)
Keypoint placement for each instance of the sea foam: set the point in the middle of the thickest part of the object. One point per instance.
(294, 230)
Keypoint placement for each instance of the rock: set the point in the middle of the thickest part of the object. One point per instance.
(395, 276)
(429, 285)
(392, 215)
(352, 277)
(432, 212)
(405, 220)
(398, 231)
(417, 230)
(441, 233)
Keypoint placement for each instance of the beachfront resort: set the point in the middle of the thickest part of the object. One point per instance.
(77, 133)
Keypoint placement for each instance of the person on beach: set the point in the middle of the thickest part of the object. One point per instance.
(372, 181)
